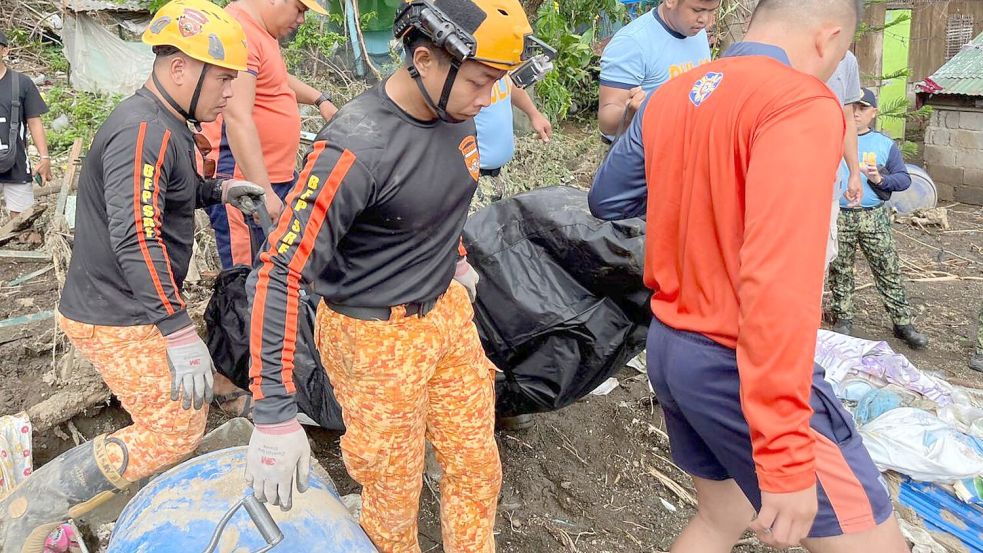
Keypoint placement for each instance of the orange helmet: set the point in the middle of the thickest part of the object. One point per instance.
(201, 30)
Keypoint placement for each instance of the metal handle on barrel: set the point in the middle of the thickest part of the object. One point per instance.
(260, 516)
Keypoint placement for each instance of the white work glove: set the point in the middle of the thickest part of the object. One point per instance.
(278, 452)
(191, 368)
(242, 195)
(467, 276)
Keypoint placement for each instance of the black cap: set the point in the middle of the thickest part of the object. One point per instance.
(869, 99)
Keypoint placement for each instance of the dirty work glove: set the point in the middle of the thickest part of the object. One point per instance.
(191, 368)
(466, 275)
(242, 195)
(277, 453)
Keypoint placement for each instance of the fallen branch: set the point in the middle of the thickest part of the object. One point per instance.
(12, 228)
(673, 486)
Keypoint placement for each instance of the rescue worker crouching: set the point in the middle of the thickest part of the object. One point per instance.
(121, 306)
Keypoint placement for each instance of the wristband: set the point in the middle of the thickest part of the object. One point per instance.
(321, 99)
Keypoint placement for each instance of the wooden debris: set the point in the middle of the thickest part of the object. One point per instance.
(16, 225)
(29, 276)
(24, 255)
(936, 216)
(27, 319)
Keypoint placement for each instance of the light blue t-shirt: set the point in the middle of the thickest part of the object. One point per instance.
(880, 151)
(647, 53)
(496, 141)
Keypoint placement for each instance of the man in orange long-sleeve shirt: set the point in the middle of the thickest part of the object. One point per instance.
(735, 255)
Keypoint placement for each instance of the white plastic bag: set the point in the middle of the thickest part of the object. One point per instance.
(101, 61)
(919, 444)
(16, 457)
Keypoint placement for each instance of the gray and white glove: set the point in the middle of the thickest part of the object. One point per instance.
(277, 454)
(468, 277)
(242, 195)
(191, 368)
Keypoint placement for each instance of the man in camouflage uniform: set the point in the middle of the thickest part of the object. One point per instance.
(976, 361)
(869, 225)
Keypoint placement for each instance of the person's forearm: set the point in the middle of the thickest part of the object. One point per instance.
(522, 101)
(851, 151)
(247, 150)
(37, 135)
(306, 94)
(611, 116)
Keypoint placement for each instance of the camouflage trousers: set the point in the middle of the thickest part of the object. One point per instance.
(492, 189)
(132, 360)
(401, 382)
(871, 230)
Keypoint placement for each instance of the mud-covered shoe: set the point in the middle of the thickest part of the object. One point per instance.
(844, 326)
(69, 486)
(518, 422)
(910, 336)
(976, 361)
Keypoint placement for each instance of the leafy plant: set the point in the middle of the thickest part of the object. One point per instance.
(85, 112)
(571, 26)
(313, 40)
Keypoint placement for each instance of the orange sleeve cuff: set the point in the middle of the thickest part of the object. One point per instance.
(778, 482)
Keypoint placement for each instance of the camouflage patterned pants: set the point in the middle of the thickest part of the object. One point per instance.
(133, 362)
(871, 230)
(405, 380)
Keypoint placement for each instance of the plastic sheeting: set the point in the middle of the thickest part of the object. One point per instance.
(16, 457)
(101, 61)
(561, 304)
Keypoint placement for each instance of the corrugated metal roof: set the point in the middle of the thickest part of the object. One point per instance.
(963, 74)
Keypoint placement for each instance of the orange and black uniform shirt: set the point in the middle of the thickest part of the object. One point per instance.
(137, 195)
(375, 220)
(733, 164)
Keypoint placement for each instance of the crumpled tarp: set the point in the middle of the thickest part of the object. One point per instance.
(561, 304)
(101, 61)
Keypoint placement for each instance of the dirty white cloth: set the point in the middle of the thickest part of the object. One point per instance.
(16, 456)
(18, 197)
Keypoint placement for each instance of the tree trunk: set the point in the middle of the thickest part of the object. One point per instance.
(735, 15)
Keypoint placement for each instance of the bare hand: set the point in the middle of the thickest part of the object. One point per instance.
(873, 175)
(327, 110)
(635, 98)
(854, 190)
(274, 205)
(785, 518)
(543, 127)
(44, 169)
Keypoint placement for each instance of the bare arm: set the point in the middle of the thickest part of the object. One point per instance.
(36, 127)
(308, 95)
(851, 155)
(542, 125)
(611, 109)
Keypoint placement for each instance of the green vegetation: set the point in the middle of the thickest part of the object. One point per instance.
(85, 113)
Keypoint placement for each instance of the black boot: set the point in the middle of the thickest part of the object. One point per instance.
(910, 336)
(518, 422)
(844, 326)
(69, 486)
(976, 361)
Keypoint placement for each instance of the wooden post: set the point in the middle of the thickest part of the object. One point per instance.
(870, 47)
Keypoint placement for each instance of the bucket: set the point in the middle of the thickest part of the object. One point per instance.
(922, 193)
(179, 512)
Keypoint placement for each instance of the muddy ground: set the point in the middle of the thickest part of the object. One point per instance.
(591, 477)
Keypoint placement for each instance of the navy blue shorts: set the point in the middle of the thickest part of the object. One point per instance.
(697, 384)
(237, 239)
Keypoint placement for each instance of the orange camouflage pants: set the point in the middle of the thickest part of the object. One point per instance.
(400, 382)
(133, 362)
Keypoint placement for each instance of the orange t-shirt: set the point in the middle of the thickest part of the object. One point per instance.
(740, 159)
(275, 111)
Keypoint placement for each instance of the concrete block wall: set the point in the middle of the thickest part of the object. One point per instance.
(954, 154)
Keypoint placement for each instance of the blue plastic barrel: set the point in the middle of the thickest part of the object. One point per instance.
(179, 511)
(922, 193)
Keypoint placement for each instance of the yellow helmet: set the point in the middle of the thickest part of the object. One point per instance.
(201, 30)
(501, 37)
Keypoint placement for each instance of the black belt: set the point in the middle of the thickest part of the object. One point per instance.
(416, 309)
(861, 208)
(491, 172)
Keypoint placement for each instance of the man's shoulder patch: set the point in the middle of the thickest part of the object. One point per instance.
(704, 87)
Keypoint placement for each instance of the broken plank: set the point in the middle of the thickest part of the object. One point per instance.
(12, 228)
(29, 276)
(69, 178)
(29, 255)
(70, 211)
(27, 319)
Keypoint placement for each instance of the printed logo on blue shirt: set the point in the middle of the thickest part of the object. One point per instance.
(704, 88)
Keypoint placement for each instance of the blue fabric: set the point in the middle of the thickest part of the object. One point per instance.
(223, 232)
(493, 124)
(880, 150)
(698, 386)
(620, 190)
(647, 53)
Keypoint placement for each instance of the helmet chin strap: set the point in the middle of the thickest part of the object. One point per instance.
(439, 108)
(188, 114)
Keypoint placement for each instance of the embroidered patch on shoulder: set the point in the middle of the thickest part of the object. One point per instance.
(704, 88)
